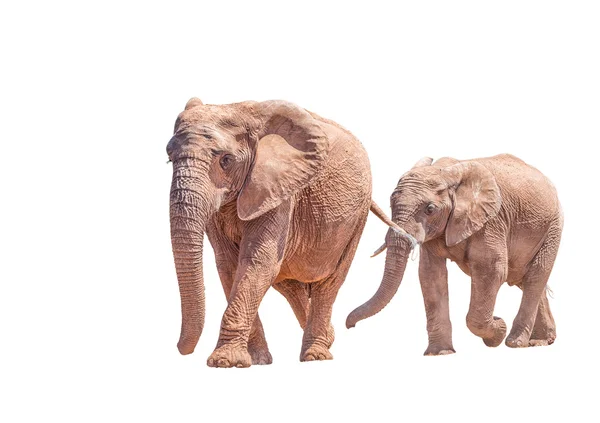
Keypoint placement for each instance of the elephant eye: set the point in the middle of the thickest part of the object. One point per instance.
(226, 161)
(430, 208)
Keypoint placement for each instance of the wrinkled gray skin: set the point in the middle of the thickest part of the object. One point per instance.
(500, 220)
(283, 196)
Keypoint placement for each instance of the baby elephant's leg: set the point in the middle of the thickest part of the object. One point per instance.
(485, 283)
(534, 302)
(544, 329)
(433, 275)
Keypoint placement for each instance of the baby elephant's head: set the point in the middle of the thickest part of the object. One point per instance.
(453, 201)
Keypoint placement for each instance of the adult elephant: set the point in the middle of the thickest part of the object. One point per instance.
(283, 196)
(500, 220)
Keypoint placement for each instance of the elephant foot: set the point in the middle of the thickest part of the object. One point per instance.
(259, 350)
(542, 336)
(260, 356)
(316, 352)
(536, 341)
(439, 350)
(330, 335)
(499, 327)
(229, 355)
(520, 341)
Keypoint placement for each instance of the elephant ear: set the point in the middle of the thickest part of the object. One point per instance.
(425, 161)
(476, 199)
(193, 102)
(291, 150)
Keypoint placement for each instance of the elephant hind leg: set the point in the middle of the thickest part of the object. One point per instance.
(534, 312)
(298, 296)
(319, 334)
(544, 328)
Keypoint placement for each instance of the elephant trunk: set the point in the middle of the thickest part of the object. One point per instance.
(398, 250)
(188, 214)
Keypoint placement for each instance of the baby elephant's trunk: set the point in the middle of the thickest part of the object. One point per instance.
(398, 250)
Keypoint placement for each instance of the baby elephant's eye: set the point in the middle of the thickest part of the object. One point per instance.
(430, 208)
(226, 161)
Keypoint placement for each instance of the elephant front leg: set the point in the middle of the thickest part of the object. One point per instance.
(297, 295)
(226, 259)
(241, 315)
(260, 255)
(485, 283)
(433, 275)
(257, 344)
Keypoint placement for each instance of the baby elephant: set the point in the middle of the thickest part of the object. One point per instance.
(500, 220)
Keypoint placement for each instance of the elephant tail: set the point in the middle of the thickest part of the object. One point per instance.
(376, 210)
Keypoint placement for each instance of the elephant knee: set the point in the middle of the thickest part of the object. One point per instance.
(477, 325)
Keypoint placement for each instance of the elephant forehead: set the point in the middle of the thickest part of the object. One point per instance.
(422, 180)
(225, 116)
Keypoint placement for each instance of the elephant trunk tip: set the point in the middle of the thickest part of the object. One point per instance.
(411, 239)
(185, 348)
(352, 320)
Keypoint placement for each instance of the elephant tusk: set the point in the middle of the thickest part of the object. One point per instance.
(379, 250)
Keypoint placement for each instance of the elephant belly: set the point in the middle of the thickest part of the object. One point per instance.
(329, 217)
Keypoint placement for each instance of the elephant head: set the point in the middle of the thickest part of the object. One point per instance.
(255, 154)
(429, 202)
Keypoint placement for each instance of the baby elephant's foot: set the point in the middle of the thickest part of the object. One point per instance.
(542, 337)
(316, 352)
(520, 341)
(229, 355)
(433, 349)
(499, 328)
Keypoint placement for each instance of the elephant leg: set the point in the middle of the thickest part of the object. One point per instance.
(485, 283)
(257, 343)
(298, 296)
(534, 286)
(318, 334)
(544, 328)
(433, 275)
(258, 264)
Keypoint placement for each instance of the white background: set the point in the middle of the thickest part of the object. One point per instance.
(89, 305)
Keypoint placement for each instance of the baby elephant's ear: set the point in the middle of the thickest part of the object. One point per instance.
(476, 199)
(291, 150)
